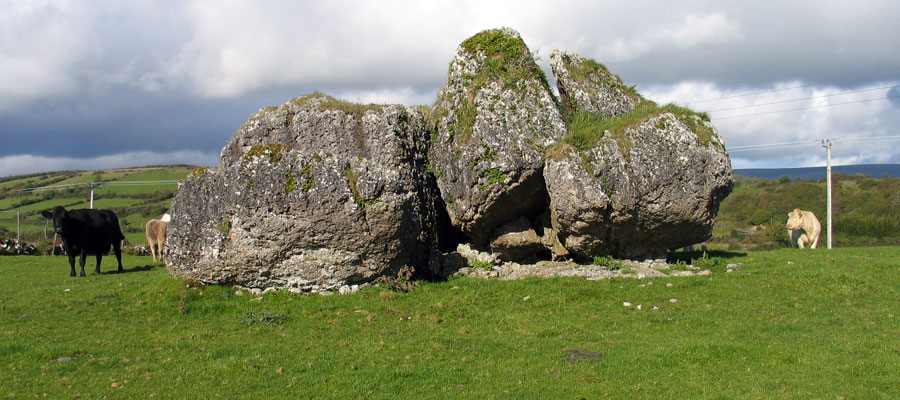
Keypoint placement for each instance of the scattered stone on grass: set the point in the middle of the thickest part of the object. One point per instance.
(577, 354)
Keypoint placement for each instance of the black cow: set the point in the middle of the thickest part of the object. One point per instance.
(87, 232)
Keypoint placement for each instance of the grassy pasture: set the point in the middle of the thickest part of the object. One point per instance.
(785, 324)
(134, 203)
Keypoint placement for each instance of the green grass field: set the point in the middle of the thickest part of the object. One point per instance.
(786, 324)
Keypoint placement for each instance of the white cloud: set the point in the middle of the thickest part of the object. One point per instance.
(407, 96)
(26, 164)
(793, 112)
(60, 58)
(239, 47)
(38, 45)
(695, 30)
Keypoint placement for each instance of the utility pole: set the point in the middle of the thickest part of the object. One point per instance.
(827, 144)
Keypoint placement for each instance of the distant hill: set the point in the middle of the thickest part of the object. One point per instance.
(866, 210)
(813, 173)
(135, 194)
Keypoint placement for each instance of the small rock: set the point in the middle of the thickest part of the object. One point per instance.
(673, 300)
(526, 297)
(626, 304)
(669, 284)
(704, 272)
(238, 293)
(576, 354)
(639, 306)
(347, 289)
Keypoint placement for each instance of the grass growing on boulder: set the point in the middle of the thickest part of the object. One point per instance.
(493, 175)
(290, 182)
(507, 61)
(309, 178)
(586, 129)
(590, 70)
(355, 109)
(273, 151)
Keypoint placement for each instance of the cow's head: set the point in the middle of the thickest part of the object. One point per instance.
(795, 219)
(58, 215)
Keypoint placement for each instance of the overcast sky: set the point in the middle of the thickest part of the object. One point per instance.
(103, 84)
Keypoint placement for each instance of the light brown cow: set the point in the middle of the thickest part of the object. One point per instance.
(803, 228)
(156, 235)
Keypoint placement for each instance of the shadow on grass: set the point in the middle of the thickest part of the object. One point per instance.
(143, 268)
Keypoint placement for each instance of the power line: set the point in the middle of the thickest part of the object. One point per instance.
(805, 108)
(802, 143)
(871, 139)
(801, 99)
(772, 146)
(749, 94)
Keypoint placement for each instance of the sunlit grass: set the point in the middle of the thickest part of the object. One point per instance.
(783, 324)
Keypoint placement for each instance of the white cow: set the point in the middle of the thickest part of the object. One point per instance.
(803, 228)
(156, 230)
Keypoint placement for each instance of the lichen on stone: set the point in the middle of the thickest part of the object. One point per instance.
(273, 151)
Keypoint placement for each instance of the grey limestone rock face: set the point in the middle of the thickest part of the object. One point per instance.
(491, 125)
(663, 192)
(319, 194)
(312, 195)
(585, 85)
(632, 179)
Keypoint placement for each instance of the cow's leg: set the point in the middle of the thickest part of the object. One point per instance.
(801, 241)
(117, 248)
(72, 264)
(81, 261)
(152, 250)
(815, 242)
(99, 258)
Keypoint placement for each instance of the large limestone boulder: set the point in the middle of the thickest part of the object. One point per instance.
(633, 182)
(317, 194)
(491, 125)
(312, 195)
(585, 85)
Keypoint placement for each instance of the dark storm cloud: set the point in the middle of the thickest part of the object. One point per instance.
(91, 79)
(894, 95)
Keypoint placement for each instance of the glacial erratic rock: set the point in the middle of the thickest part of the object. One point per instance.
(656, 187)
(312, 195)
(491, 125)
(632, 178)
(320, 194)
